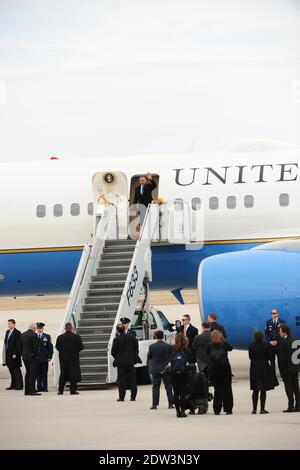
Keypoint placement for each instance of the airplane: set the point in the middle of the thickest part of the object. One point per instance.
(248, 195)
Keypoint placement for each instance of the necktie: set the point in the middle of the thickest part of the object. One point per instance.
(142, 190)
(40, 335)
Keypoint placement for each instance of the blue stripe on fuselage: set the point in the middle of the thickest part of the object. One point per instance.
(52, 272)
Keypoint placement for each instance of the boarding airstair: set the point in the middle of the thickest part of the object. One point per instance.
(106, 288)
(116, 268)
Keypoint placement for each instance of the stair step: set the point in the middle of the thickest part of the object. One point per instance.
(109, 277)
(120, 242)
(93, 379)
(95, 329)
(93, 360)
(116, 262)
(105, 291)
(88, 374)
(94, 369)
(96, 299)
(92, 345)
(119, 249)
(115, 270)
(92, 383)
(100, 307)
(93, 315)
(106, 285)
(117, 255)
(100, 353)
(95, 337)
(96, 322)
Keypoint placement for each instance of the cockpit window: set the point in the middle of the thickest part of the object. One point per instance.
(136, 323)
(164, 320)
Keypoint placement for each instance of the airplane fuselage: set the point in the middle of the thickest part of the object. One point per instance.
(46, 212)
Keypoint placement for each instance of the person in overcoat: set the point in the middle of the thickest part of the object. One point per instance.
(125, 350)
(221, 373)
(69, 345)
(289, 368)
(262, 377)
(12, 356)
(30, 355)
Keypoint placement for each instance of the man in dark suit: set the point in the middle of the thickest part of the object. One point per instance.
(143, 192)
(125, 323)
(45, 356)
(200, 347)
(273, 338)
(289, 369)
(125, 350)
(160, 355)
(11, 355)
(69, 346)
(212, 320)
(29, 350)
(190, 331)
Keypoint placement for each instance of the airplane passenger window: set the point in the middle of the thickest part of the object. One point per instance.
(284, 199)
(41, 210)
(196, 203)
(213, 203)
(248, 201)
(231, 202)
(57, 210)
(75, 208)
(90, 208)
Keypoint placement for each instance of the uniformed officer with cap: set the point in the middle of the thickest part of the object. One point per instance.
(125, 322)
(45, 355)
(125, 351)
(273, 338)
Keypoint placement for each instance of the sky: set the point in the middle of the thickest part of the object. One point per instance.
(95, 78)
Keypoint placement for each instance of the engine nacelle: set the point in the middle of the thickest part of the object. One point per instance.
(243, 287)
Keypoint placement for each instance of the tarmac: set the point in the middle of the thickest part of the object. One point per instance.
(94, 420)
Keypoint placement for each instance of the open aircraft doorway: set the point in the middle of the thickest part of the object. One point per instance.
(136, 216)
(135, 181)
(111, 187)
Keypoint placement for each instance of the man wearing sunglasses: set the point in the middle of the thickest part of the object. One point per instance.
(273, 338)
(190, 331)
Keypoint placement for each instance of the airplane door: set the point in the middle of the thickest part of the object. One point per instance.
(112, 187)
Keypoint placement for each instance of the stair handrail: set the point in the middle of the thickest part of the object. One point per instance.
(70, 315)
(106, 228)
(140, 264)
